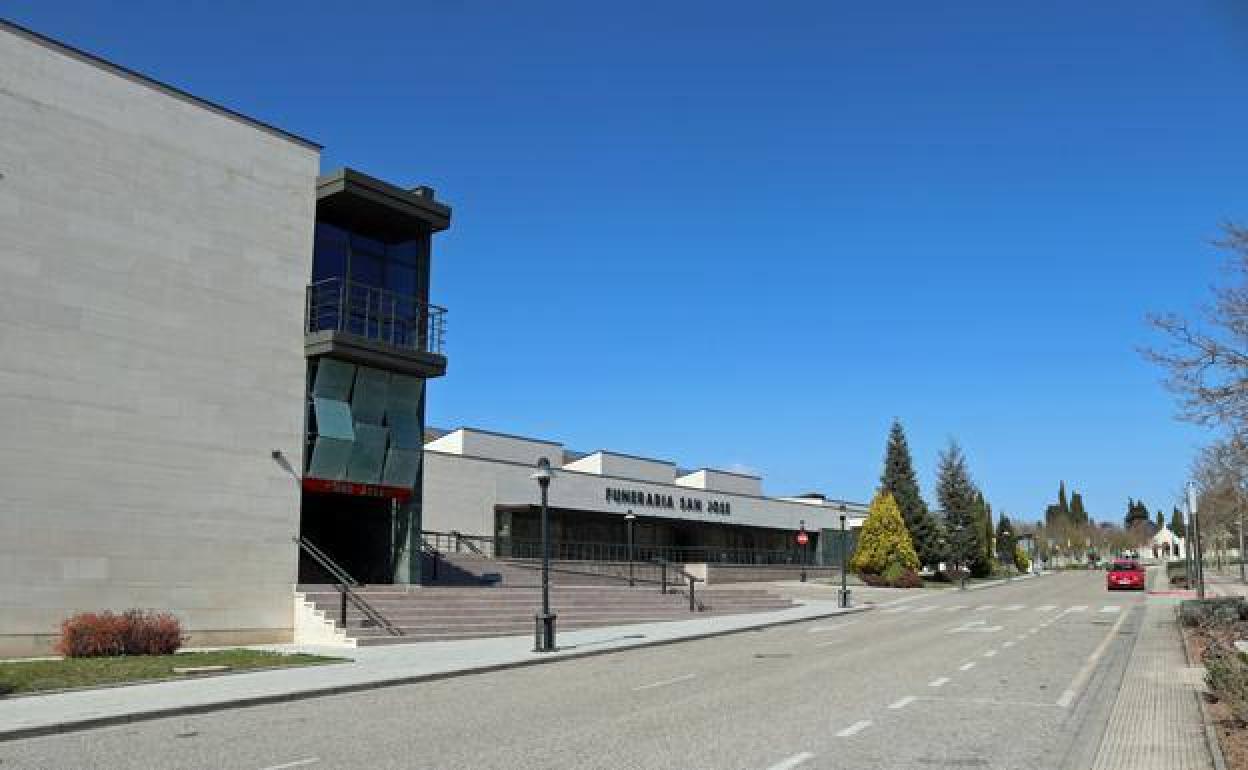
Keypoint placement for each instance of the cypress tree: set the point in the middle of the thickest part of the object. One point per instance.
(1006, 537)
(899, 479)
(1176, 523)
(1077, 514)
(957, 495)
(1061, 500)
(1161, 521)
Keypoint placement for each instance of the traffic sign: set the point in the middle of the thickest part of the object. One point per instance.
(802, 538)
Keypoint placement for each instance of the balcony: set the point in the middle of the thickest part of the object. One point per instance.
(375, 327)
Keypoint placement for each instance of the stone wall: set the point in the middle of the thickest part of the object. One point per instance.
(153, 259)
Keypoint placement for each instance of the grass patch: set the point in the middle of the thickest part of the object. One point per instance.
(37, 675)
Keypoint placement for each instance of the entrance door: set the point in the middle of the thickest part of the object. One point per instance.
(354, 531)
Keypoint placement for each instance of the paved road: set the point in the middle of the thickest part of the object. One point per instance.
(1021, 676)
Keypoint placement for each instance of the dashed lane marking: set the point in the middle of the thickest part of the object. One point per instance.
(901, 704)
(983, 607)
(664, 683)
(1046, 608)
(1009, 643)
(928, 608)
(1015, 607)
(941, 682)
(967, 666)
(793, 761)
(896, 609)
(1077, 608)
(990, 653)
(955, 607)
(1110, 609)
(296, 763)
(854, 729)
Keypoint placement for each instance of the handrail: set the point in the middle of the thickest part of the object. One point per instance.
(467, 540)
(694, 604)
(343, 584)
(433, 552)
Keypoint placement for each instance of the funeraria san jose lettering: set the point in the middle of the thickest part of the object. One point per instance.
(652, 500)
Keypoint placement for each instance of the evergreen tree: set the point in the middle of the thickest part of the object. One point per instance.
(1006, 538)
(981, 516)
(1137, 512)
(957, 496)
(1061, 500)
(899, 479)
(1161, 521)
(884, 545)
(1176, 523)
(1077, 514)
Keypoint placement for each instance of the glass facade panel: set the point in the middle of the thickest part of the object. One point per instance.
(329, 459)
(368, 453)
(333, 379)
(333, 418)
(368, 399)
(403, 412)
(402, 467)
(329, 255)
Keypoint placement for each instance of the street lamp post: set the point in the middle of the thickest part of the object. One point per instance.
(1195, 535)
(545, 625)
(959, 546)
(802, 540)
(843, 596)
(630, 517)
(1001, 546)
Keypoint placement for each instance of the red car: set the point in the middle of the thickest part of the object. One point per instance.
(1125, 574)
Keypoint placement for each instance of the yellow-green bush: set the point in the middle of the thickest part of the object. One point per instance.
(884, 542)
(1020, 559)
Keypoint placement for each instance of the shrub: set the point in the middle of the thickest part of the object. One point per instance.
(136, 632)
(1227, 675)
(152, 633)
(1021, 562)
(884, 542)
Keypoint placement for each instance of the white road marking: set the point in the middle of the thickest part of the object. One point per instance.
(990, 653)
(296, 763)
(901, 704)
(1046, 608)
(1110, 609)
(955, 608)
(1009, 643)
(829, 643)
(664, 683)
(1020, 637)
(1015, 607)
(941, 682)
(854, 729)
(983, 607)
(967, 666)
(793, 761)
(896, 609)
(928, 608)
(975, 626)
(837, 627)
(1081, 678)
(1077, 608)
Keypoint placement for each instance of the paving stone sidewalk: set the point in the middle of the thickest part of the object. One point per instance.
(1156, 723)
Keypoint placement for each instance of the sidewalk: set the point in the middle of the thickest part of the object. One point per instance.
(371, 667)
(1156, 722)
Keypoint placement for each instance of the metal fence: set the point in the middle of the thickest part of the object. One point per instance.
(514, 548)
(340, 304)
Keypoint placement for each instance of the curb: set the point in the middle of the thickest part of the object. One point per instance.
(1211, 732)
(264, 700)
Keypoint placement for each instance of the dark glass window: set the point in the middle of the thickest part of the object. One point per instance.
(329, 255)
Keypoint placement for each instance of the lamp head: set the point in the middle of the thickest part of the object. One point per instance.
(543, 474)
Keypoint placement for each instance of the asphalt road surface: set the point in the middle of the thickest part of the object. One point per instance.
(1019, 676)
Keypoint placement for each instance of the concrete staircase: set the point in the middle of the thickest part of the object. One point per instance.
(505, 597)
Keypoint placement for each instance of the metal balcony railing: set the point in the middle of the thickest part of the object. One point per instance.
(340, 304)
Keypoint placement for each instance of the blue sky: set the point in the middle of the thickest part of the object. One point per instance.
(742, 235)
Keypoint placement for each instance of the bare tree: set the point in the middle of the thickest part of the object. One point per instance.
(1206, 362)
(1221, 475)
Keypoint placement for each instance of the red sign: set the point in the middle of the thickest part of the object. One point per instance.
(356, 490)
(803, 538)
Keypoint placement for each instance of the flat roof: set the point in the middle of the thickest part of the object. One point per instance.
(138, 77)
